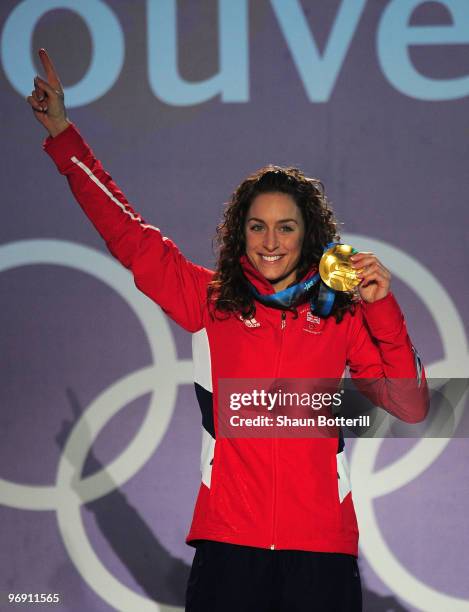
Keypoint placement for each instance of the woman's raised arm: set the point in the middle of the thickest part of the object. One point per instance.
(160, 270)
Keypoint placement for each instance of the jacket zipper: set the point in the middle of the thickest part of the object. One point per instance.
(283, 324)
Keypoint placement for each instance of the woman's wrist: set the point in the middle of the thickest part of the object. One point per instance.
(59, 128)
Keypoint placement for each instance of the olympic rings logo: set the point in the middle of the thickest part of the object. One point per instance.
(71, 491)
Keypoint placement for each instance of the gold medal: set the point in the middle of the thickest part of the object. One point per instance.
(335, 268)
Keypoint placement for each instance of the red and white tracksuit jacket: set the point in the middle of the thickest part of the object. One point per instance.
(286, 493)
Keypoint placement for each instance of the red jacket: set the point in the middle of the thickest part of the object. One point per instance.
(286, 493)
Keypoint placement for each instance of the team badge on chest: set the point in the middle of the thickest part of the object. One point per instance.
(312, 323)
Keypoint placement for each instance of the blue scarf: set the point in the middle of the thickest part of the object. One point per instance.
(290, 296)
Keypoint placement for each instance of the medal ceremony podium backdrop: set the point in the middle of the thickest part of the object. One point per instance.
(100, 431)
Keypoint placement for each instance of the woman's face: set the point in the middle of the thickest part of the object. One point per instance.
(274, 233)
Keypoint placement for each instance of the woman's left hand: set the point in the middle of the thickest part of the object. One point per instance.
(376, 279)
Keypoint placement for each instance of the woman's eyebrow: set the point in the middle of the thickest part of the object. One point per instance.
(280, 221)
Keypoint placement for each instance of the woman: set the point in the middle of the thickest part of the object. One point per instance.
(274, 525)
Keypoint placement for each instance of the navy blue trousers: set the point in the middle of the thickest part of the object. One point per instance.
(232, 578)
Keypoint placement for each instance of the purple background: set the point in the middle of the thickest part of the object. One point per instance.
(395, 168)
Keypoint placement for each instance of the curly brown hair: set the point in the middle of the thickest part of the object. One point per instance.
(229, 290)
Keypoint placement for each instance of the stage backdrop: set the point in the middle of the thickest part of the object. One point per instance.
(99, 428)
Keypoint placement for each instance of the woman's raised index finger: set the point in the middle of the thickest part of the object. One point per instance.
(51, 74)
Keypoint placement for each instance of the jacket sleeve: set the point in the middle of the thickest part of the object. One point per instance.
(383, 362)
(159, 269)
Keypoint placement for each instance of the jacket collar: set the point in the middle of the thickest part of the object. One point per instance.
(259, 281)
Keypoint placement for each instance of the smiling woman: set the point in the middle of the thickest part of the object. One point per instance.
(274, 232)
(279, 221)
(274, 525)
